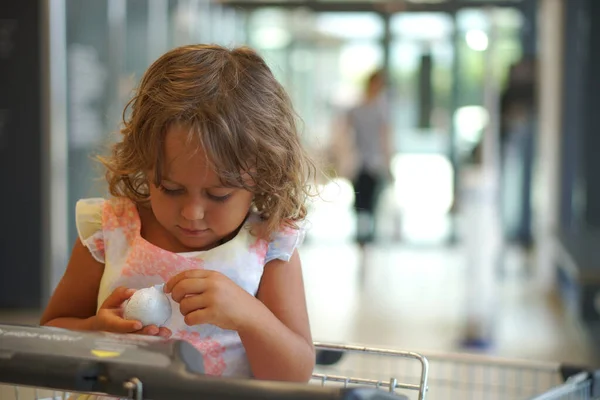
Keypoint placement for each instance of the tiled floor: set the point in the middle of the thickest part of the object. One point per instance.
(416, 299)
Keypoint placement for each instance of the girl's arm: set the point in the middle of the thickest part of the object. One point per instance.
(73, 304)
(277, 339)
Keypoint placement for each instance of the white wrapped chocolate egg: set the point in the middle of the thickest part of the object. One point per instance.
(150, 306)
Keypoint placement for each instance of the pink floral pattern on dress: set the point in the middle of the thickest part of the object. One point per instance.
(146, 259)
(212, 351)
(99, 246)
(121, 213)
(287, 231)
(260, 248)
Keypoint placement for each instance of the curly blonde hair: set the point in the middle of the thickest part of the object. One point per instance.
(236, 111)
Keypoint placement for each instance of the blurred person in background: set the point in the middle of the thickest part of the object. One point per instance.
(366, 126)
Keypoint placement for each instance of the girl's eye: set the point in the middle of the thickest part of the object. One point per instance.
(170, 192)
(219, 199)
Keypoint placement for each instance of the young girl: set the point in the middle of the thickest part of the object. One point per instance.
(208, 186)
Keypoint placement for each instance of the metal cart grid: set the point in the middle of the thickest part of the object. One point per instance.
(464, 376)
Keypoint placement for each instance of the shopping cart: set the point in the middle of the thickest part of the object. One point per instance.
(50, 363)
(461, 376)
(37, 363)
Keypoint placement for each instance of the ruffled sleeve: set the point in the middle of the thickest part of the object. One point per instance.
(88, 220)
(284, 243)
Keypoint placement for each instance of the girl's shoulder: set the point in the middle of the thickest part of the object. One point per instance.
(97, 210)
(88, 222)
(283, 242)
(96, 218)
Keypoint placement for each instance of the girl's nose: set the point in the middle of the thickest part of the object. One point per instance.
(193, 211)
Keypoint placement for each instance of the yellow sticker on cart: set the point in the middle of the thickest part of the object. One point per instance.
(106, 354)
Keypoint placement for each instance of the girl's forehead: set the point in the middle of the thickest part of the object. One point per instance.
(185, 160)
(179, 143)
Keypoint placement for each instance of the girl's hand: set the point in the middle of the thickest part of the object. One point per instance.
(209, 297)
(110, 317)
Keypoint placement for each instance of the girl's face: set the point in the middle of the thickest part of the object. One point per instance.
(191, 204)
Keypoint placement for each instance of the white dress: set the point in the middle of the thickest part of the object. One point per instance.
(110, 229)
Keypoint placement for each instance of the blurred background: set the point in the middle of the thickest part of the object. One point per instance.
(486, 226)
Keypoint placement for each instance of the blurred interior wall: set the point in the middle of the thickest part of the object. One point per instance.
(548, 160)
(33, 150)
(55, 175)
(20, 154)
